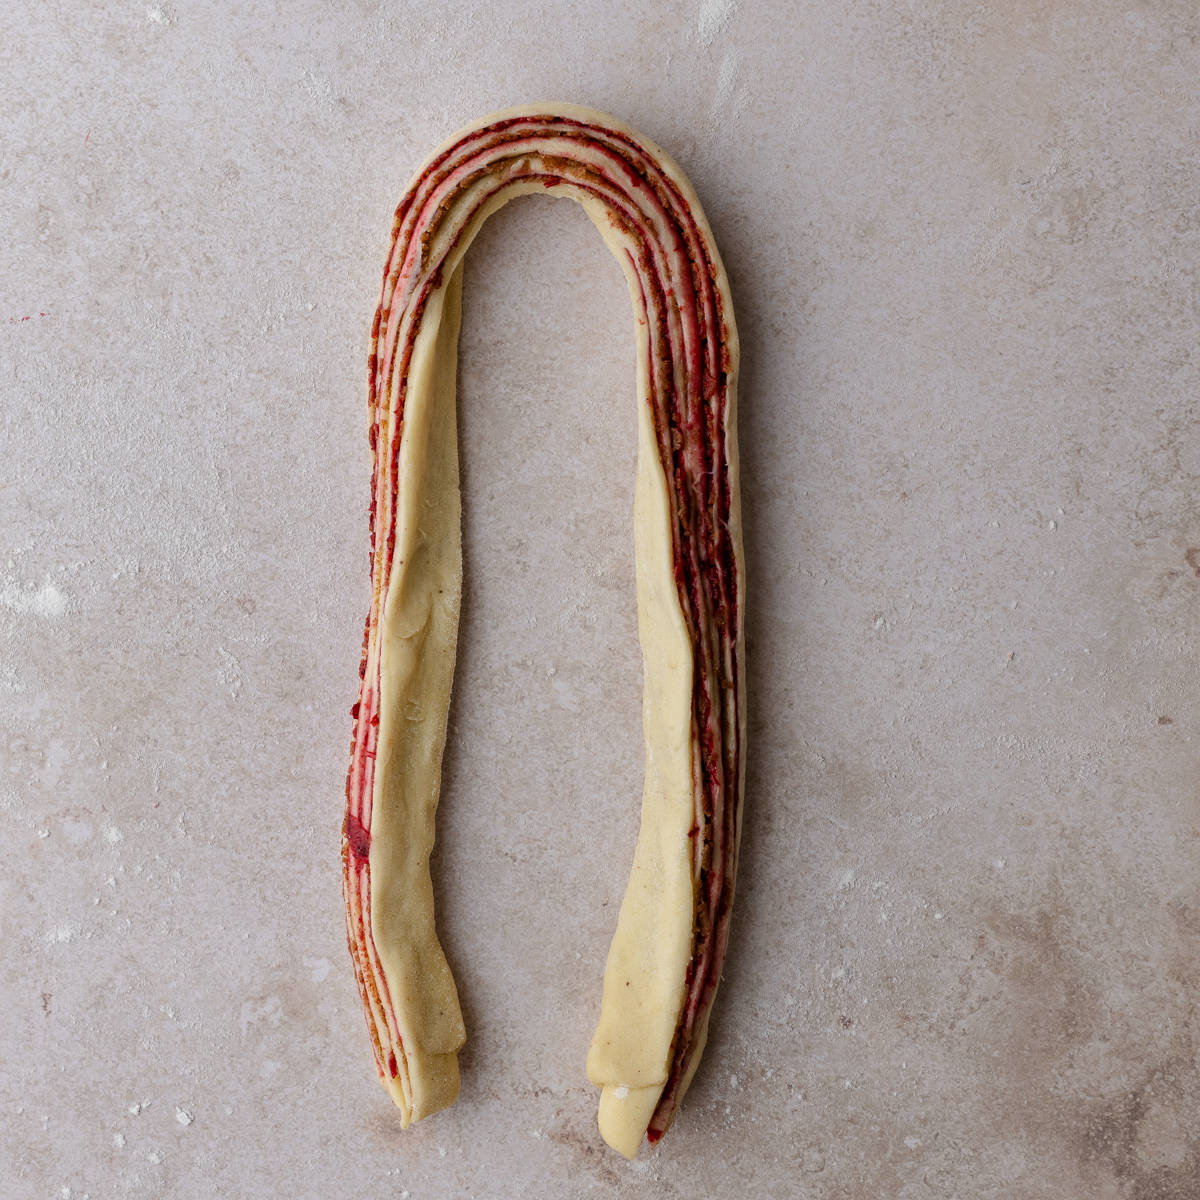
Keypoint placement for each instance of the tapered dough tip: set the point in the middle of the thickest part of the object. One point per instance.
(624, 1114)
(434, 1086)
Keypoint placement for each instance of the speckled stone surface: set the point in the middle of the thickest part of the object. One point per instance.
(963, 241)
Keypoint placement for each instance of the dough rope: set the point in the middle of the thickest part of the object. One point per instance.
(665, 960)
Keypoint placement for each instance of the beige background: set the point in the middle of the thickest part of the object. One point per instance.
(963, 241)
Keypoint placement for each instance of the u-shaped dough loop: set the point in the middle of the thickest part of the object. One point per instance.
(665, 959)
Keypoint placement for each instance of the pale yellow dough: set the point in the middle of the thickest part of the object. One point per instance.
(644, 978)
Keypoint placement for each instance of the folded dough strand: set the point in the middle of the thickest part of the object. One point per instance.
(665, 960)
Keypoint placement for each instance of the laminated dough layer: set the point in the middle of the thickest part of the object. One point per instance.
(665, 960)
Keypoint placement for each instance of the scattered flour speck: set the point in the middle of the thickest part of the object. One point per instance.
(11, 681)
(319, 967)
(320, 87)
(726, 81)
(714, 16)
(46, 601)
(184, 1117)
(119, 1140)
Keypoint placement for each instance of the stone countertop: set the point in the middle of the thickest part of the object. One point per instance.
(963, 243)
